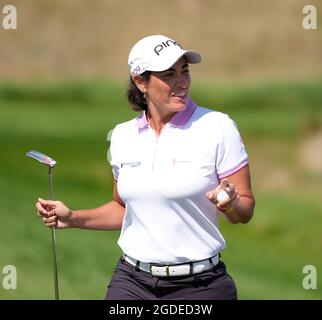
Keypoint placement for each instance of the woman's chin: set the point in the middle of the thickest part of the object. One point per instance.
(179, 103)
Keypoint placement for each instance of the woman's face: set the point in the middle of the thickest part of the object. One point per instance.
(168, 90)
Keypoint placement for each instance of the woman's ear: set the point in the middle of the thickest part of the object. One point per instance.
(140, 83)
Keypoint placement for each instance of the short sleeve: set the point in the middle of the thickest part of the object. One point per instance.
(231, 153)
(113, 154)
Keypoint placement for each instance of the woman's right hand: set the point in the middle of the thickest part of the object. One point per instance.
(53, 213)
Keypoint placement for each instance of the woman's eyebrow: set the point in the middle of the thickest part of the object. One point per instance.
(185, 66)
(172, 69)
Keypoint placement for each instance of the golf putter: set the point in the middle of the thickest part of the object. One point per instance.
(42, 158)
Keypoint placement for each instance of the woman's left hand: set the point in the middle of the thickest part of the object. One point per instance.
(228, 203)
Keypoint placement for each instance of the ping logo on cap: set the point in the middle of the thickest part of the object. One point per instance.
(165, 44)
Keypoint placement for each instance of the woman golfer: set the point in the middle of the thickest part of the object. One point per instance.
(169, 165)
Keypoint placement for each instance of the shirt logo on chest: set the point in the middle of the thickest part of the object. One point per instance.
(176, 161)
(130, 164)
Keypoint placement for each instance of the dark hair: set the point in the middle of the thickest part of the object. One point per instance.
(134, 96)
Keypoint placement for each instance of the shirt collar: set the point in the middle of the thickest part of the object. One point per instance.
(178, 120)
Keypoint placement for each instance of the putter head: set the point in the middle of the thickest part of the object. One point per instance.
(41, 158)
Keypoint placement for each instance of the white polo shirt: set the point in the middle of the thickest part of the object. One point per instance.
(163, 181)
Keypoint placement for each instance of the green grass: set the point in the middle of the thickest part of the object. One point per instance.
(267, 256)
(70, 121)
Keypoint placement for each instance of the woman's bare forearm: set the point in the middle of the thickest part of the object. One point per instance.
(106, 217)
(243, 211)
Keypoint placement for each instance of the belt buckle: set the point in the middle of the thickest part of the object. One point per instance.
(167, 271)
(160, 266)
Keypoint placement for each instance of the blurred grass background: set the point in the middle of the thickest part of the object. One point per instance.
(62, 79)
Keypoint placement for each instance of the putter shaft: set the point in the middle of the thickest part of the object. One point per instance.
(53, 237)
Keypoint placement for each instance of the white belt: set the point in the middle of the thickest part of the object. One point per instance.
(183, 269)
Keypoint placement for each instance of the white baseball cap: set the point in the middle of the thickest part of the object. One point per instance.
(158, 53)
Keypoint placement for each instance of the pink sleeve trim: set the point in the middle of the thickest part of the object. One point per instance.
(234, 170)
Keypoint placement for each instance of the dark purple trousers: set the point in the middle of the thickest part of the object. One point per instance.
(129, 283)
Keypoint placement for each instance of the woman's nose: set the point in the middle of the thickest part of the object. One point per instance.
(182, 81)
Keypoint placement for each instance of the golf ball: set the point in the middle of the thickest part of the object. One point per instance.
(222, 196)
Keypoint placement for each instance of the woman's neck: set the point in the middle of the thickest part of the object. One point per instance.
(157, 120)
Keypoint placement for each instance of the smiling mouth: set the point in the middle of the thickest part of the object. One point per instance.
(181, 95)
